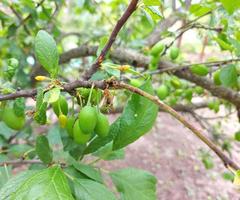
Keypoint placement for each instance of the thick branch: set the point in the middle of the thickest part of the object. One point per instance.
(69, 87)
(218, 91)
(131, 8)
(137, 59)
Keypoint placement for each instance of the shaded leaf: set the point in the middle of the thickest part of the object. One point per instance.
(19, 107)
(85, 189)
(230, 5)
(88, 170)
(46, 52)
(48, 184)
(152, 2)
(106, 153)
(43, 149)
(228, 75)
(137, 119)
(135, 184)
(52, 95)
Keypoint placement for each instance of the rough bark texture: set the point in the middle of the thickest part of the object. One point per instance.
(129, 56)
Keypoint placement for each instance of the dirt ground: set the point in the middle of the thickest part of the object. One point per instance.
(171, 153)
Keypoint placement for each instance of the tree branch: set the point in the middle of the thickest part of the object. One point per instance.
(20, 162)
(130, 9)
(227, 161)
(139, 60)
(69, 87)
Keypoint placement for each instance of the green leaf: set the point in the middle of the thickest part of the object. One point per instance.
(43, 149)
(109, 68)
(99, 142)
(46, 52)
(236, 45)
(153, 12)
(4, 175)
(85, 189)
(52, 95)
(88, 170)
(5, 172)
(230, 5)
(152, 2)
(19, 107)
(19, 149)
(11, 68)
(106, 153)
(50, 184)
(99, 75)
(103, 41)
(40, 115)
(228, 176)
(10, 187)
(54, 138)
(228, 75)
(199, 9)
(137, 119)
(5, 131)
(135, 184)
(39, 98)
(224, 45)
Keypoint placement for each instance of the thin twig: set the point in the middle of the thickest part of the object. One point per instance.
(130, 9)
(19, 162)
(227, 161)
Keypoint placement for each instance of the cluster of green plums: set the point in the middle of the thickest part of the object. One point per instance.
(90, 121)
(157, 51)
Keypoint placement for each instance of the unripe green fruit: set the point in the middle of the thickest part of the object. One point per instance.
(152, 67)
(135, 82)
(162, 92)
(62, 103)
(157, 49)
(178, 92)
(211, 105)
(102, 126)
(174, 53)
(199, 90)
(214, 105)
(11, 120)
(78, 135)
(87, 119)
(84, 92)
(200, 70)
(216, 78)
(188, 94)
(69, 126)
(155, 60)
(96, 95)
(154, 63)
(173, 101)
(237, 136)
(208, 163)
(176, 82)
